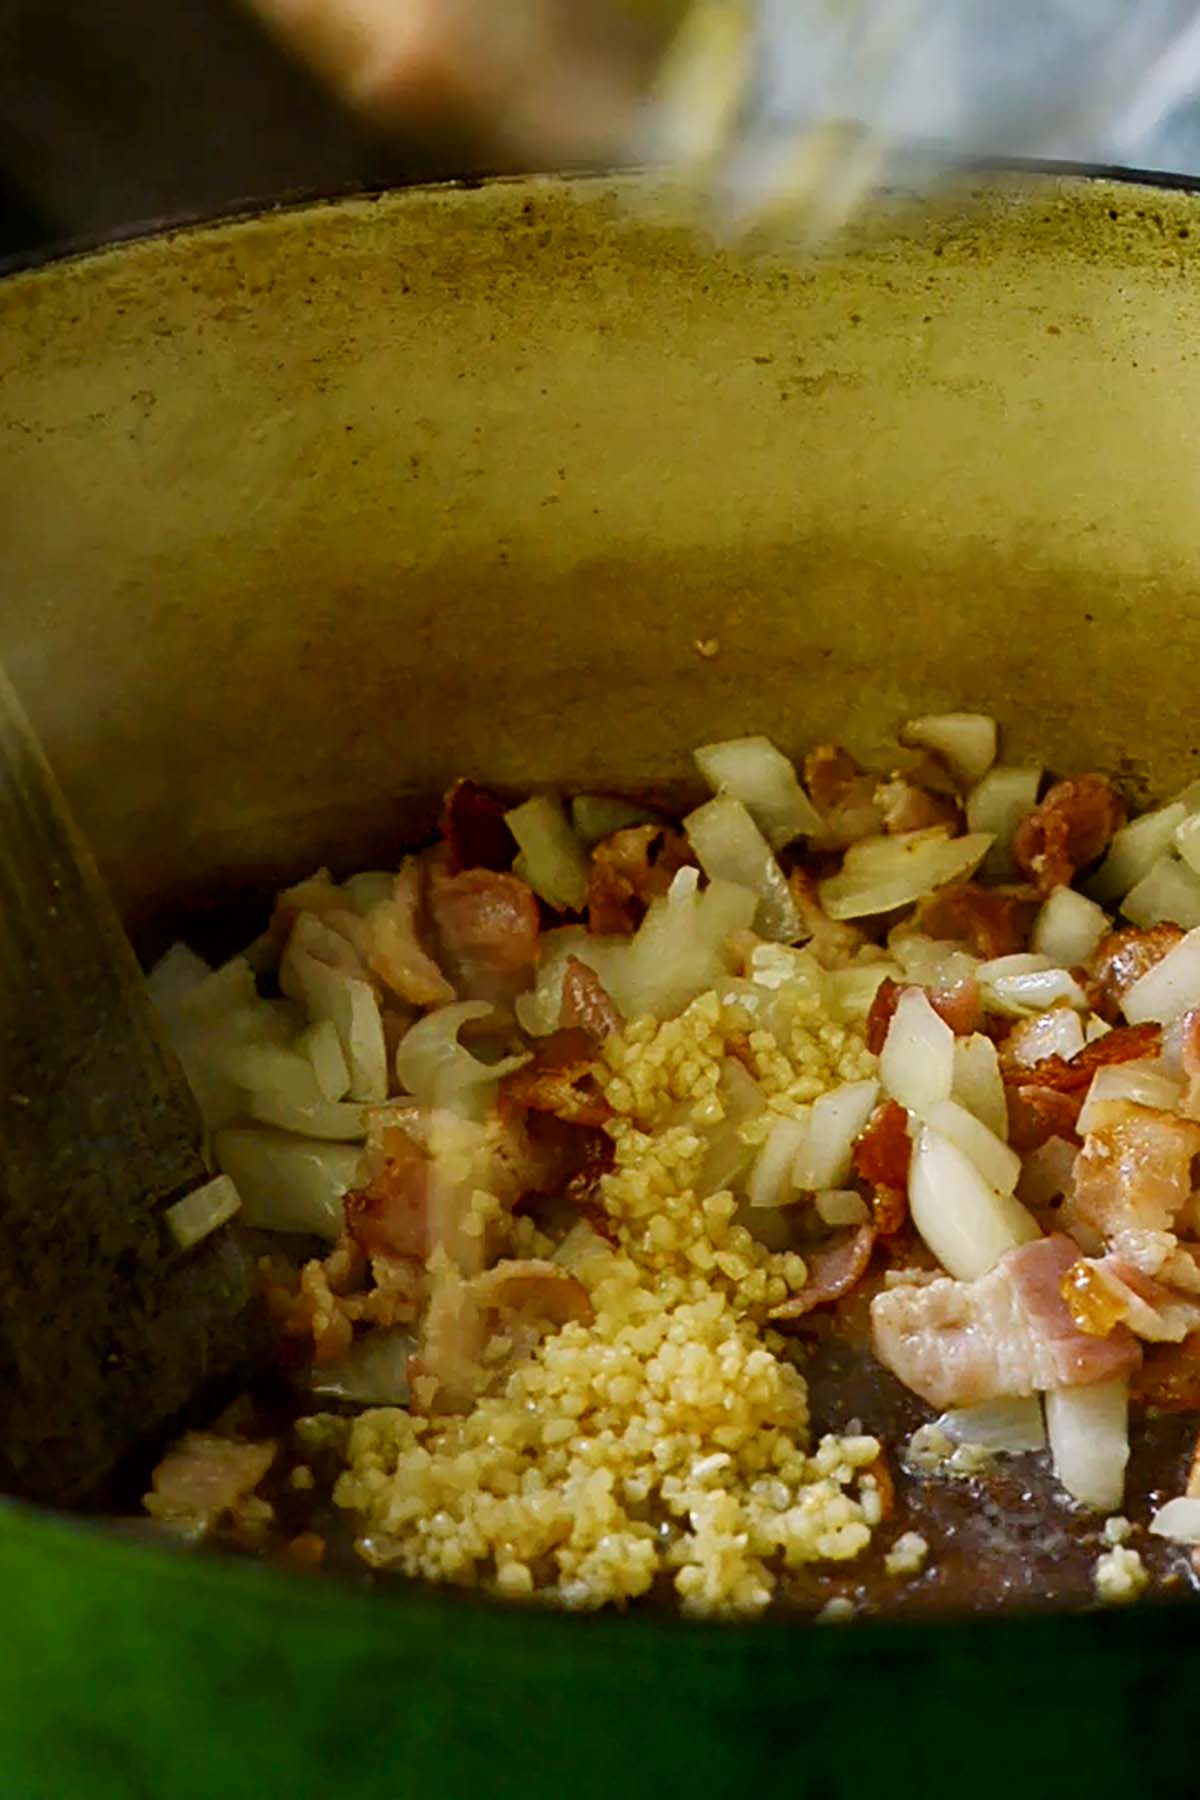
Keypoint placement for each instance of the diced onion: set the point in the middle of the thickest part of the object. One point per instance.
(338, 1122)
(349, 1003)
(202, 1212)
(1134, 850)
(1171, 987)
(1068, 928)
(1178, 1520)
(997, 805)
(849, 992)
(321, 1045)
(680, 948)
(1088, 1428)
(978, 1084)
(287, 1183)
(433, 1066)
(1187, 841)
(964, 1221)
(916, 1064)
(879, 874)
(1168, 890)
(999, 1166)
(730, 847)
(552, 859)
(841, 1206)
(596, 816)
(1142, 1083)
(374, 1371)
(1056, 1032)
(1028, 983)
(369, 889)
(763, 779)
(771, 1181)
(835, 1123)
(228, 989)
(174, 976)
(966, 742)
(727, 1155)
(1005, 1427)
(931, 962)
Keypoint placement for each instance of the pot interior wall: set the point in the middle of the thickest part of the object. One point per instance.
(306, 514)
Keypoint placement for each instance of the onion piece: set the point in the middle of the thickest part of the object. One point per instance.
(730, 847)
(841, 1206)
(596, 816)
(231, 988)
(202, 1212)
(322, 1047)
(174, 976)
(332, 1121)
(999, 1166)
(978, 1084)
(1178, 1520)
(1088, 1428)
(369, 889)
(997, 804)
(1170, 988)
(771, 1183)
(930, 962)
(850, 992)
(835, 1124)
(1168, 890)
(916, 1064)
(349, 1002)
(1007, 1427)
(1187, 841)
(966, 742)
(1134, 850)
(766, 783)
(680, 948)
(1142, 1083)
(1068, 928)
(963, 1220)
(287, 1183)
(435, 1068)
(727, 1155)
(373, 1372)
(879, 874)
(1026, 983)
(552, 859)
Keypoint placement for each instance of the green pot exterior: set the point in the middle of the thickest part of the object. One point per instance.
(308, 513)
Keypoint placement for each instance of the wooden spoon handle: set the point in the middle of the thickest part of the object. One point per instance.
(107, 1328)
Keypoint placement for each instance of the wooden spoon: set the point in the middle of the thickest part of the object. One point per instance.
(112, 1316)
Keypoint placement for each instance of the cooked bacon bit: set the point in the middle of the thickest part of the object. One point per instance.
(1169, 1377)
(1073, 1075)
(561, 1079)
(538, 1288)
(586, 1004)
(307, 1551)
(1036, 1114)
(905, 806)
(486, 925)
(831, 1274)
(395, 953)
(1133, 1179)
(204, 1476)
(835, 945)
(959, 1006)
(1010, 1333)
(1069, 829)
(881, 1158)
(629, 869)
(583, 1189)
(1121, 958)
(390, 1215)
(844, 795)
(473, 829)
(990, 921)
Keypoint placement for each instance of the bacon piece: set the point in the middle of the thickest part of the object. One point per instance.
(390, 1215)
(906, 806)
(990, 921)
(1101, 1292)
(473, 829)
(958, 1005)
(204, 1476)
(394, 952)
(586, 1004)
(1169, 1377)
(486, 925)
(1121, 958)
(1133, 1181)
(1010, 1333)
(844, 795)
(1037, 1114)
(628, 870)
(583, 1189)
(832, 1273)
(880, 1158)
(561, 1079)
(1070, 828)
(1045, 1101)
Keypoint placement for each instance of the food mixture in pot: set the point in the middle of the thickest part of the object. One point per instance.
(792, 1203)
